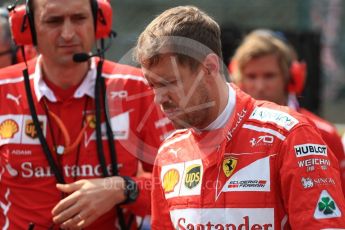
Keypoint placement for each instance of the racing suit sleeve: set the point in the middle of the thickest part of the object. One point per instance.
(310, 181)
(152, 127)
(160, 209)
(334, 142)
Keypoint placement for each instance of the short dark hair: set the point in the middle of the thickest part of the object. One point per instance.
(186, 22)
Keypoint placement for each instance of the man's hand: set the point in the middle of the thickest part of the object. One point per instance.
(88, 200)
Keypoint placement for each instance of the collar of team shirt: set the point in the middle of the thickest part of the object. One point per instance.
(85, 88)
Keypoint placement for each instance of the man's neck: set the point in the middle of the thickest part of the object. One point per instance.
(64, 76)
(220, 97)
(224, 109)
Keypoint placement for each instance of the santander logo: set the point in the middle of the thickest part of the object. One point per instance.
(223, 218)
(29, 170)
(246, 225)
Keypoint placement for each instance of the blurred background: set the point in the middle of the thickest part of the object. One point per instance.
(312, 26)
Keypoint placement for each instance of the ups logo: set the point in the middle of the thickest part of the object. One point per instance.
(30, 129)
(193, 176)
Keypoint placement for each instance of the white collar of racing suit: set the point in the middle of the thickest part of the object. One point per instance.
(86, 87)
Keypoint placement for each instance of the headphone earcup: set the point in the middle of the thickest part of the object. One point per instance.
(20, 26)
(30, 53)
(298, 72)
(231, 66)
(104, 19)
(234, 73)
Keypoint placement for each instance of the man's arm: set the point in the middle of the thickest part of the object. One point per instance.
(310, 181)
(160, 217)
(153, 127)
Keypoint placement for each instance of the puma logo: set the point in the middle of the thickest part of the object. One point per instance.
(13, 98)
(175, 152)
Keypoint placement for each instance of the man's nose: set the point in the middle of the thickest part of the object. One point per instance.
(260, 84)
(161, 96)
(68, 30)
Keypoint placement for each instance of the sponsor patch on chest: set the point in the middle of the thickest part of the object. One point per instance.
(20, 129)
(280, 118)
(223, 218)
(252, 177)
(120, 125)
(182, 179)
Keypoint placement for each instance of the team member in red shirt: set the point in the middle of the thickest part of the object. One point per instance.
(60, 136)
(239, 163)
(265, 67)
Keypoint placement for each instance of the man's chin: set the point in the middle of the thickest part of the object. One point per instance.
(67, 60)
(179, 123)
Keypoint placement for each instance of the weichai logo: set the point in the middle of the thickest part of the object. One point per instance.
(246, 224)
(193, 176)
(30, 129)
(170, 180)
(8, 128)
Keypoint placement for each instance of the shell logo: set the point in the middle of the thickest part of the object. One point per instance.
(8, 128)
(170, 180)
(91, 120)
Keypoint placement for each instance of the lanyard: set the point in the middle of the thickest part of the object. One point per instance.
(58, 175)
(99, 87)
(100, 150)
(68, 147)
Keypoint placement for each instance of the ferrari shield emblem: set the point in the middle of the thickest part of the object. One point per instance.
(229, 165)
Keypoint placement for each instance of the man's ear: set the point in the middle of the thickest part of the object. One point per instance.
(211, 63)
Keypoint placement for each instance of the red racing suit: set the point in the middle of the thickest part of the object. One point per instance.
(268, 168)
(27, 183)
(330, 135)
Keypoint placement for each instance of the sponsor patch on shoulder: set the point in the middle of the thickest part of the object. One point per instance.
(326, 207)
(310, 149)
(280, 118)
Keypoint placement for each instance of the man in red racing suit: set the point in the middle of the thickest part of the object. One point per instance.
(27, 184)
(266, 169)
(265, 66)
(239, 163)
